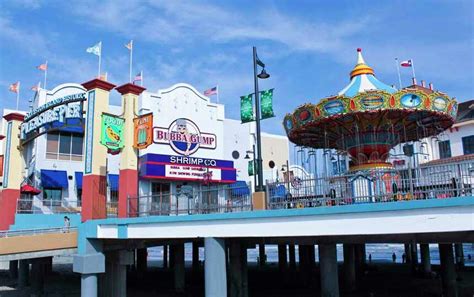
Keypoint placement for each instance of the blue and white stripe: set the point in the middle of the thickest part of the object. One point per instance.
(364, 82)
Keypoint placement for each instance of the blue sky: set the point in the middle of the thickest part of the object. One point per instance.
(309, 46)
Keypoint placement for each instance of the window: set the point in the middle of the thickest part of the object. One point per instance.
(444, 149)
(52, 197)
(64, 146)
(468, 145)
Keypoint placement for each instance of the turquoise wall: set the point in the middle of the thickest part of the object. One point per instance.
(43, 221)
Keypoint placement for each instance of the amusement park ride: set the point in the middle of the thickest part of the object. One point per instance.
(365, 121)
(368, 118)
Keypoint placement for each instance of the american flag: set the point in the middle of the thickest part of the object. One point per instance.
(138, 77)
(211, 91)
(15, 87)
(42, 67)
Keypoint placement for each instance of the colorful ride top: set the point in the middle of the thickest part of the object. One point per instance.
(368, 118)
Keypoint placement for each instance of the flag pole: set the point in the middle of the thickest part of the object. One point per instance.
(217, 93)
(131, 57)
(45, 75)
(398, 71)
(141, 74)
(18, 97)
(413, 68)
(100, 56)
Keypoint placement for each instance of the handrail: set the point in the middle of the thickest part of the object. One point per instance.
(25, 232)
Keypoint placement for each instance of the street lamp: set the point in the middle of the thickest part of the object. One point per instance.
(247, 157)
(262, 75)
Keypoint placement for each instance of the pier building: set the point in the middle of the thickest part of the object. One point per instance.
(180, 181)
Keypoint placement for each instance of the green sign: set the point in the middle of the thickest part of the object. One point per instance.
(266, 103)
(112, 132)
(251, 170)
(246, 109)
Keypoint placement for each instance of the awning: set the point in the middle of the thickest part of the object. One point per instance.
(54, 179)
(114, 182)
(240, 188)
(27, 189)
(78, 176)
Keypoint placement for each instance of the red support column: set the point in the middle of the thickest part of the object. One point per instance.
(94, 183)
(128, 185)
(13, 168)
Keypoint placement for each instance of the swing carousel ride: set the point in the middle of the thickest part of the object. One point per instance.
(368, 118)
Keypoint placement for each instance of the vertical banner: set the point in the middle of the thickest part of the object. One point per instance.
(246, 109)
(112, 132)
(266, 103)
(251, 170)
(143, 131)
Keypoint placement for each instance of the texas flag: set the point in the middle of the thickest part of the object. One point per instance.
(406, 63)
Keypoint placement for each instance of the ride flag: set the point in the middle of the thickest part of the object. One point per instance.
(143, 131)
(246, 109)
(251, 169)
(266, 104)
(112, 132)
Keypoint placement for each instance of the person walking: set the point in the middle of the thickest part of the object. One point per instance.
(394, 258)
(67, 224)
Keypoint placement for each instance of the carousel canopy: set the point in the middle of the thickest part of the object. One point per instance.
(363, 79)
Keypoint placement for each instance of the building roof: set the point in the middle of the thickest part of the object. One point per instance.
(451, 160)
(465, 111)
(363, 79)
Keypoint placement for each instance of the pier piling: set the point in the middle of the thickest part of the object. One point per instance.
(448, 271)
(349, 267)
(215, 267)
(328, 267)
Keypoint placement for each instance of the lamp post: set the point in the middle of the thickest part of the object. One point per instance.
(262, 75)
(253, 160)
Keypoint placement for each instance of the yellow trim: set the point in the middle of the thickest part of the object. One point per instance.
(368, 166)
(361, 69)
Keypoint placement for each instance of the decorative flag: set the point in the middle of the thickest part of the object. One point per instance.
(112, 132)
(96, 49)
(407, 63)
(211, 91)
(129, 45)
(246, 109)
(15, 87)
(36, 88)
(42, 67)
(138, 77)
(266, 103)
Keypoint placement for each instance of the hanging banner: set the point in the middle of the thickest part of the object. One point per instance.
(266, 104)
(251, 170)
(112, 132)
(246, 109)
(143, 131)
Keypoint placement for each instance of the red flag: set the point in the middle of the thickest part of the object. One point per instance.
(15, 87)
(36, 87)
(42, 67)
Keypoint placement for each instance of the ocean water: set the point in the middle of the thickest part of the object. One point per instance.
(379, 253)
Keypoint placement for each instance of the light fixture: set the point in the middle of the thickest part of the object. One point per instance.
(263, 74)
(247, 156)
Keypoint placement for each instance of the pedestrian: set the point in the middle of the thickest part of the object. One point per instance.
(404, 258)
(67, 224)
(370, 258)
(394, 258)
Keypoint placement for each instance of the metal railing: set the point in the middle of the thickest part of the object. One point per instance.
(26, 232)
(112, 209)
(220, 199)
(378, 186)
(46, 206)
